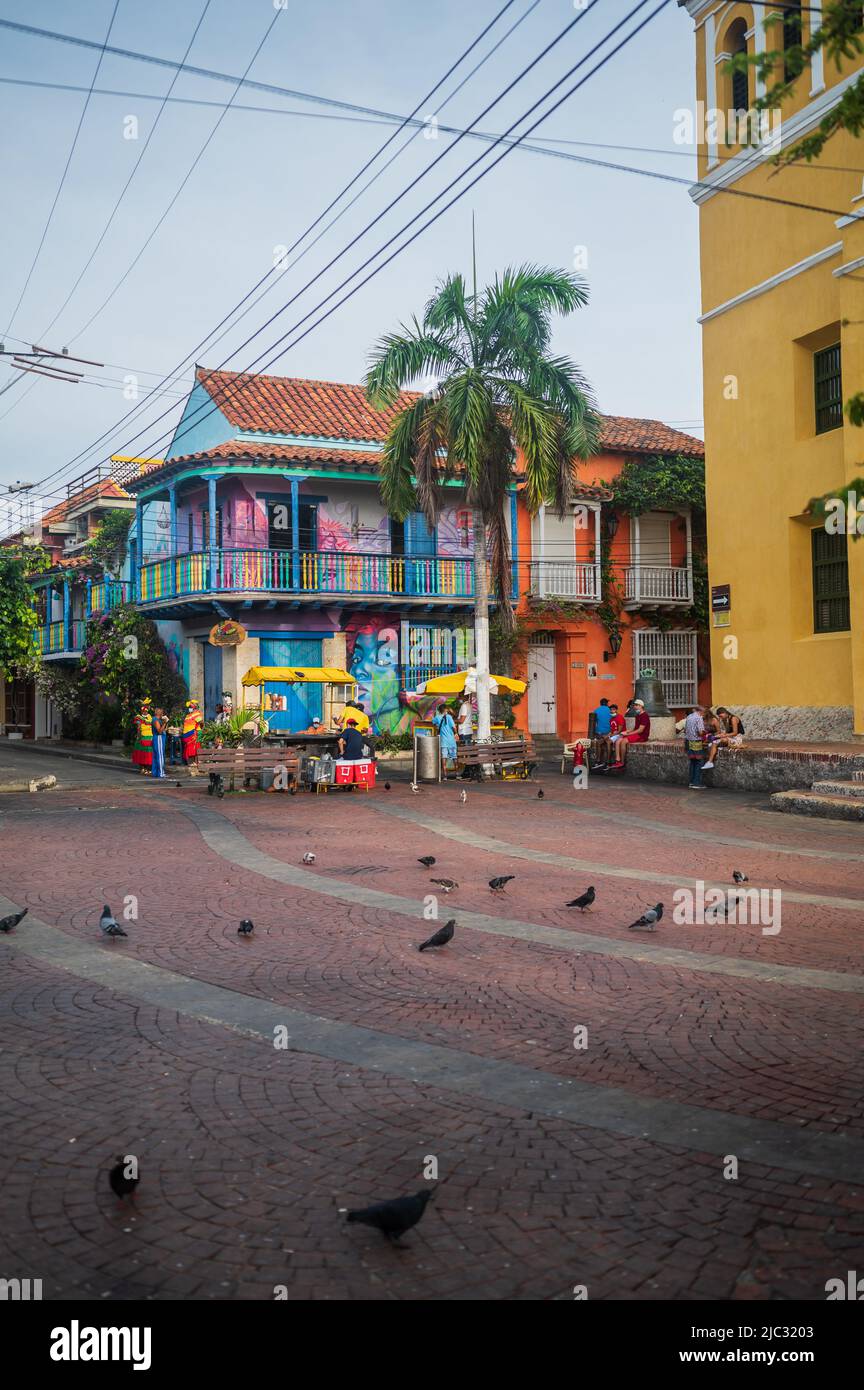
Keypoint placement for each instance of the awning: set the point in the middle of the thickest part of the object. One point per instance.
(316, 675)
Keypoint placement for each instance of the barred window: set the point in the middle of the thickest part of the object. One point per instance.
(830, 582)
(828, 389)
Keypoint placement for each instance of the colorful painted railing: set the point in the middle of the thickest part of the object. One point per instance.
(51, 639)
(310, 572)
(107, 594)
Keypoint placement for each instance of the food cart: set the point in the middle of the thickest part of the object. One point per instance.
(337, 686)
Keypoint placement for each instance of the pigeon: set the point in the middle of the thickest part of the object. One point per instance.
(585, 900)
(7, 923)
(414, 787)
(427, 861)
(122, 1186)
(540, 794)
(393, 1218)
(448, 884)
(441, 937)
(648, 921)
(463, 796)
(496, 884)
(246, 927)
(108, 925)
(386, 786)
(738, 877)
(308, 857)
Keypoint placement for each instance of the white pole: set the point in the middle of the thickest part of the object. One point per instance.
(481, 628)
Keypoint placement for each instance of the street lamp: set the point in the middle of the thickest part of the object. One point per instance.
(611, 525)
(615, 643)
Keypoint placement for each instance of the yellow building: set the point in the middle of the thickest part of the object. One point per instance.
(783, 347)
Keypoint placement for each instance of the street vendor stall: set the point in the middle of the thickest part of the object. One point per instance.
(288, 717)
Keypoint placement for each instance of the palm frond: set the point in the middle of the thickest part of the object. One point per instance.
(398, 492)
(397, 360)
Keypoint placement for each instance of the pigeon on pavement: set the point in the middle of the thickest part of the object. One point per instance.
(386, 786)
(497, 884)
(463, 796)
(108, 925)
(448, 884)
(308, 857)
(393, 1218)
(540, 794)
(427, 861)
(414, 787)
(585, 900)
(7, 923)
(738, 877)
(246, 927)
(122, 1186)
(648, 921)
(441, 937)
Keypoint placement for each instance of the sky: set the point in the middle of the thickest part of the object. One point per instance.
(266, 175)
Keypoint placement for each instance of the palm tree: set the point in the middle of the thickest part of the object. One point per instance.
(498, 388)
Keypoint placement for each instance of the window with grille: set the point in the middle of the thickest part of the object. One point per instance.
(828, 389)
(672, 657)
(830, 582)
(737, 40)
(791, 35)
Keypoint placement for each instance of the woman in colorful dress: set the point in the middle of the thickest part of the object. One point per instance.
(142, 749)
(191, 725)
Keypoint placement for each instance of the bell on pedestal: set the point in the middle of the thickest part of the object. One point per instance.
(650, 689)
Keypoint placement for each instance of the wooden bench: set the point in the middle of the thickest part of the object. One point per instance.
(238, 764)
(513, 753)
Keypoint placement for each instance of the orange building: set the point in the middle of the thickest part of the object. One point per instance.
(606, 593)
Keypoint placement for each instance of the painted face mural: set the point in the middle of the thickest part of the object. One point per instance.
(373, 655)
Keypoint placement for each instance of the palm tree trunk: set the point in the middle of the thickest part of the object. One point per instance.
(481, 627)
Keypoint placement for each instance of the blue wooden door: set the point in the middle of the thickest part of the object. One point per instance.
(303, 702)
(212, 680)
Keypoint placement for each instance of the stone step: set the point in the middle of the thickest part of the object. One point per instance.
(813, 803)
(838, 788)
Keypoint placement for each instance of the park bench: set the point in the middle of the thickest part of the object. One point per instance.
(513, 754)
(237, 765)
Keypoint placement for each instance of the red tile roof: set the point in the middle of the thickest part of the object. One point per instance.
(621, 434)
(293, 405)
(238, 449)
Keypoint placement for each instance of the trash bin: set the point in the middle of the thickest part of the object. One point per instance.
(427, 758)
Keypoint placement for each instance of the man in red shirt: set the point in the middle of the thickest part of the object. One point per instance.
(617, 729)
(640, 733)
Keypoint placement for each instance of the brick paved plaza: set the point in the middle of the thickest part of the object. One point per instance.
(558, 1166)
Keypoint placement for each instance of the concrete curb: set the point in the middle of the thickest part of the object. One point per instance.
(77, 755)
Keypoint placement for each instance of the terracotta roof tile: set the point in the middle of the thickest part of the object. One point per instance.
(621, 434)
(238, 449)
(293, 405)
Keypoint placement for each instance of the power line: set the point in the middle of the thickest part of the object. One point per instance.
(89, 449)
(227, 393)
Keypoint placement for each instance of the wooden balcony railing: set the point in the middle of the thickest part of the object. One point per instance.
(565, 579)
(52, 638)
(658, 584)
(309, 572)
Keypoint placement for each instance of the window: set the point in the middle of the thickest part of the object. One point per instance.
(828, 389)
(280, 525)
(672, 657)
(737, 41)
(830, 582)
(205, 529)
(791, 35)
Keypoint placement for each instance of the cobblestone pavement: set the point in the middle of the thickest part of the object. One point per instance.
(558, 1166)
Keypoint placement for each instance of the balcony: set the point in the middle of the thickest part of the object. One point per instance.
(310, 575)
(566, 580)
(657, 586)
(106, 594)
(53, 640)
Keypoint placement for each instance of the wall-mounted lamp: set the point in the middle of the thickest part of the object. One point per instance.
(611, 525)
(615, 643)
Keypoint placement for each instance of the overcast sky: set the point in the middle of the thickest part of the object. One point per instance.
(266, 176)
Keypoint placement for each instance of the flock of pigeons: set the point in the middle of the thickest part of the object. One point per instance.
(392, 1218)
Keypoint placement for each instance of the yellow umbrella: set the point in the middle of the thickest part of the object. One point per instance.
(461, 681)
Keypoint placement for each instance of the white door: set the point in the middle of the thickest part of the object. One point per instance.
(541, 689)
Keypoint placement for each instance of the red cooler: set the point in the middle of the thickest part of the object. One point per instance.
(364, 775)
(344, 773)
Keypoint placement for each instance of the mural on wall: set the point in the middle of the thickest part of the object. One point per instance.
(156, 530)
(372, 654)
(340, 527)
(454, 532)
(175, 645)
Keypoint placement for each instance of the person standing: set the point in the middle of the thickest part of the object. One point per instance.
(142, 748)
(602, 728)
(191, 729)
(694, 745)
(160, 723)
(465, 721)
(445, 727)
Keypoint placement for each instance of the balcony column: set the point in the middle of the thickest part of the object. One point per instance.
(211, 526)
(67, 616)
(541, 550)
(295, 533)
(635, 558)
(689, 523)
(172, 537)
(88, 605)
(514, 547)
(598, 571)
(139, 546)
(407, 546)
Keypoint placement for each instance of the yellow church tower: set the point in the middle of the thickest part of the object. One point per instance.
(782, 265)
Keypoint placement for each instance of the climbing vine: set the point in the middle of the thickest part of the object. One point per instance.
(109, 542)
